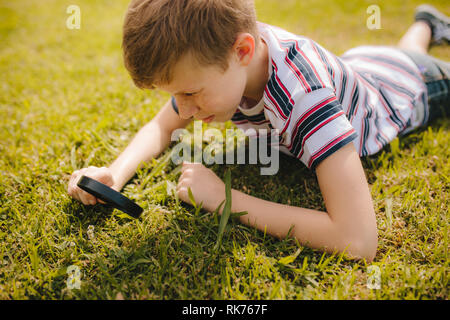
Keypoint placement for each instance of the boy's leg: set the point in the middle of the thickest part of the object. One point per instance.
(438, 89)
(431, 27)
(436, 76)
(417, 38)
(438, 22)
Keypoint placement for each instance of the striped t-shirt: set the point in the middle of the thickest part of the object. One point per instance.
(320, 102)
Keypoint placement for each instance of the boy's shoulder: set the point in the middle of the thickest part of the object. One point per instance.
(297, 64)
(296, 56)
(299, 98)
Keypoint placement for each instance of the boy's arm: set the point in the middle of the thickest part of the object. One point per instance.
(349, 223)
(149, 142)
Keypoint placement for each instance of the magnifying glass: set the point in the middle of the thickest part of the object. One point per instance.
(110, 196)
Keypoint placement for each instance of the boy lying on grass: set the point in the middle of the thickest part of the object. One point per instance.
(219, 64)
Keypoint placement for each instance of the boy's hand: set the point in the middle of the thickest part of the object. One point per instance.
(205, 185)
(102, 175)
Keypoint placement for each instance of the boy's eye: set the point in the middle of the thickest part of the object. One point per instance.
(189, 94)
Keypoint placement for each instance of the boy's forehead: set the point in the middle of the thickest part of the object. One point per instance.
(186, 76)
(180, 84)
(189, 75)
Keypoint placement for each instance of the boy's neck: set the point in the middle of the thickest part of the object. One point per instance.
(257, 74)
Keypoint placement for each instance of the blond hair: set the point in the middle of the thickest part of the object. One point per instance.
(156, 33)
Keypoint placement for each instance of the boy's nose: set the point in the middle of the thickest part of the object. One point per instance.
(187, 111)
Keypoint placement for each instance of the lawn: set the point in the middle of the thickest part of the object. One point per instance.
(67, 102)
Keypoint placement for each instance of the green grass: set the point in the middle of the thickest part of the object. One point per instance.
(66, 102)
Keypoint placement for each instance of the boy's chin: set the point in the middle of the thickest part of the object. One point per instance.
(218, 118)
(223, 117)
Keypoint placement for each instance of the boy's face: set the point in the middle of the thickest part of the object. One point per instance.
(206, 92)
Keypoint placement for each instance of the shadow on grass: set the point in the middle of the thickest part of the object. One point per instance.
(408, 141)
(78, 213)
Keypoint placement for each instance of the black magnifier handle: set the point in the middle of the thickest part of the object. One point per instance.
(110, 196)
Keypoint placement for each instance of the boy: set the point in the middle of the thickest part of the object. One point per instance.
(219, 64)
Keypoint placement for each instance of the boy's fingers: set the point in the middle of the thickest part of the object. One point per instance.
(186, 164)
(73, 177)
(85, 198)
(100, 174)
(72, 187)
(103, 178)
(185, 171)
(76, 192)
(181, 191)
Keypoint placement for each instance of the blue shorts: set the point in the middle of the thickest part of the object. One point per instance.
(436, 75)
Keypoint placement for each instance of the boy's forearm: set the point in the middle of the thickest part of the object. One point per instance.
(310, 227)
(148, 143)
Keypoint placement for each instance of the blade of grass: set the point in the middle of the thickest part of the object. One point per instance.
(156, 170)
(235, 215)
(73, 160)
(226, 209)
(191, 198)
(106, 145)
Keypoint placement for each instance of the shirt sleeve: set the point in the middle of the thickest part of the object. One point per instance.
(316, 128)
(301, 103)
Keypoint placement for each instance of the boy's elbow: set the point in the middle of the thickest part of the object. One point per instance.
(364, 236)
(368, 248)
(365, 245)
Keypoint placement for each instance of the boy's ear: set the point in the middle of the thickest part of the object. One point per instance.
(244, 48)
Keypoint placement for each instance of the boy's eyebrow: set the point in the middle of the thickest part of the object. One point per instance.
(189, 91)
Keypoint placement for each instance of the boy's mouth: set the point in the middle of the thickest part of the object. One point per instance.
(208, 119)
